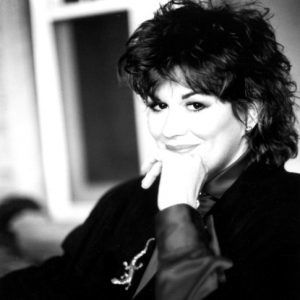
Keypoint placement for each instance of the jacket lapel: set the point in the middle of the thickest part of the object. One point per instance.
(134, 239)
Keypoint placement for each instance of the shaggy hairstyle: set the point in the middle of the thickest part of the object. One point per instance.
(226, 50)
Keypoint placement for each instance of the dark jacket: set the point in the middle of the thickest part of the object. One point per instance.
(257, 222)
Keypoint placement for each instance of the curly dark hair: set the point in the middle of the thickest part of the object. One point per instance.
(227, 50)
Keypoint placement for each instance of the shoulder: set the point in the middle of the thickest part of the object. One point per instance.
(274, 202)
(123, 202)
(290, 183)
(264, 198)
(260, 212)
(271, 182)
(274, 195)
(120, 193)
(126, 194)
(119, 199)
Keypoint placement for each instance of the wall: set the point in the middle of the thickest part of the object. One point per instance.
(287, 25)
(20, 168)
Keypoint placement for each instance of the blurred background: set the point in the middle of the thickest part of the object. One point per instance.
(68, 129)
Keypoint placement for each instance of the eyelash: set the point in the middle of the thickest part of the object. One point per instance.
(153, 106)
(200, 106)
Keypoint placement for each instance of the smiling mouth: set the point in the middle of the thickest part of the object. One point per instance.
(181, 148)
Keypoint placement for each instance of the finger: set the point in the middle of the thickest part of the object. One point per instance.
(147, 165)
(151, 175)
(197, 154)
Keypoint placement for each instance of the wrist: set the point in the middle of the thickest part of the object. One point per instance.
(165, 201)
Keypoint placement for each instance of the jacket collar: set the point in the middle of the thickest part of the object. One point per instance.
(222, 181)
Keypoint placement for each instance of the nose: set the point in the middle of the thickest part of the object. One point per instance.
(174, 125)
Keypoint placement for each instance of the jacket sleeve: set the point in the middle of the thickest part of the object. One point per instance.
(267, 266)
(188, 268)
(59, 277)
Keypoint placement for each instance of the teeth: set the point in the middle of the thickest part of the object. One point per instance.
(180, 149)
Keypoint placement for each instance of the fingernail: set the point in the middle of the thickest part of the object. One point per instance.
(144, 185)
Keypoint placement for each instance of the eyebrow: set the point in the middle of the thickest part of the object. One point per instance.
(155, 98)
(185, 96)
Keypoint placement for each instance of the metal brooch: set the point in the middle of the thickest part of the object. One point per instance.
(131, 267)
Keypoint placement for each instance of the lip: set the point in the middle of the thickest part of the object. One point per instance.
(181, 148)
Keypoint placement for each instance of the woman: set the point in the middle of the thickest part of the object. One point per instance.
(216, 216)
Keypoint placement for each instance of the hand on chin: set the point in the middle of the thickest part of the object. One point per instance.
(182, 176)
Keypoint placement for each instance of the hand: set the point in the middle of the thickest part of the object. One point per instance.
(151, 170)
(182, 176)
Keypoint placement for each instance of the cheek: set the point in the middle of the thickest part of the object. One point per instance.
(199, 127)
(218, 131)
(155, 124)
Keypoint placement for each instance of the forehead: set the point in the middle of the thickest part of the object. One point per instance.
(168, 90)
(188, 79)
(172, 87)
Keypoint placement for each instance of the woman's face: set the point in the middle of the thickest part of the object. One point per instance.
(181, 121)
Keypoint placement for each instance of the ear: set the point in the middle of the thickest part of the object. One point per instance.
(251, 118)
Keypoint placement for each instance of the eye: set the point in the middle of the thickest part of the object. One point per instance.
(157, 106)
(195, 106)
